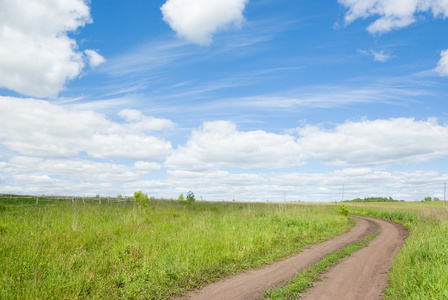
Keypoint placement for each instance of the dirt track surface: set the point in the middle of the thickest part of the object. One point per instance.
(364, 274)
(253, 284)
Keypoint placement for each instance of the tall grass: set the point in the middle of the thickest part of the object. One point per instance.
(67, 251)
(420, 270)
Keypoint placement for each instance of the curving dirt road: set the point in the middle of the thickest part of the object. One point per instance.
(362, 276)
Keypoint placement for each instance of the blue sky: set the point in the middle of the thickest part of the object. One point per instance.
(245, 100)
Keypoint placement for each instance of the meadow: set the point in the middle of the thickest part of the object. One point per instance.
(74, 250)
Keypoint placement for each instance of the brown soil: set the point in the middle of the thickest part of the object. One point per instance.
(364, 274)
(367, 275)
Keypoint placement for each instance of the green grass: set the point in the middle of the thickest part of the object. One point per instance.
(116, 250)
(305, 280)
(420, 270)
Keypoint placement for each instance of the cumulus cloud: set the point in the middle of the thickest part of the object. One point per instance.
(138, 122)
(442, 67)
(33, 175)
(74, 169)
(198, 20)
(219, 143)
(41, 129)
(37, 57)
(376, 142)
(393, 14)
(146, 167)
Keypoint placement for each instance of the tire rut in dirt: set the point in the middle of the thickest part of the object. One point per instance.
(363, 275)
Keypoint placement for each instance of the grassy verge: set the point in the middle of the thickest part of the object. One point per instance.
(420, 270)
(66, 251)
(305, 280)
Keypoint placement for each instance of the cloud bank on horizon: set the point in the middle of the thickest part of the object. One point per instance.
(254, 115)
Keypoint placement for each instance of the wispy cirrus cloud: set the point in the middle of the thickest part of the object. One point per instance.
(380, 56)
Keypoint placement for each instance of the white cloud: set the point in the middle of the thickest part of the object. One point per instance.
(146, 167)
(39, 128)
(442, 66)
(37, 57)
(377, 55)
(380, 56)
(376, 142)
(132, 147)
(198, 20)
(393, 14)
(316, 186)
(95, 59)
(137, 122)
(220, 144)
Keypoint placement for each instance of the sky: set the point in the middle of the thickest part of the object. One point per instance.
(246, 100)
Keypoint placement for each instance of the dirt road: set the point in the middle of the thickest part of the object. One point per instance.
(252, 284)
(364, 274)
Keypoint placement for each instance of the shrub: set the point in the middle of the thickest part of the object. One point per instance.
(343, 210)
(181, 197)
(141, 199)
(190, 197)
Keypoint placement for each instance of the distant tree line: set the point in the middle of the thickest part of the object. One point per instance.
(427, 199)
(374, 199)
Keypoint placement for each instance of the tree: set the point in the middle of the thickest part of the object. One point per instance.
(181, 197)
(428, 199)
(190, 197)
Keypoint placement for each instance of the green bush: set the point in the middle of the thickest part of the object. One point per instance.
(343, 210)
(141, 199)
(190, 197)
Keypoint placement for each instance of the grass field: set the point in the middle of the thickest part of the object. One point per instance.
(118, 250)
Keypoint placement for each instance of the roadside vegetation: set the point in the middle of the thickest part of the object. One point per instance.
(146, 248)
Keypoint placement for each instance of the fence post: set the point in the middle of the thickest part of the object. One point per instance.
(37, 200)
(73, 200)
(99, 200)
